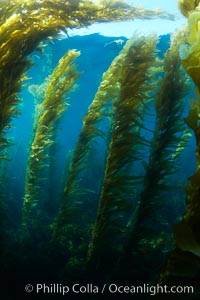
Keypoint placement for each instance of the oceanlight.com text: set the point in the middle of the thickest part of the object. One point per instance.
(112, 288)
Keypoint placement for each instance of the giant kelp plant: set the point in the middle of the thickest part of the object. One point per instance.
(100, 109)
(51, 110)
(149, 224)
(124, 225)
(135, 87)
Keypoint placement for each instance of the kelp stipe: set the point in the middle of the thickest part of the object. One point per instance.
(13, 65)
(135, 90)
(99, 110)
(70, 218)
(148, 230)
(184, 262)
(51, 110)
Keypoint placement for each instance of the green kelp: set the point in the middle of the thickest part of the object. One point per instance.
(183, 143)
(70, 217)
(149, 227)
(81, 12)
(135, 90)
(51, 110)
(184, 262)
(186, 6)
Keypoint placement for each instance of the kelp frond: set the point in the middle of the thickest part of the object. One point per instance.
(78, 13)
(162, 160)
(184, 141)
(189, 50)
(91, 12)
(51, 110)
(99, 110)
(186, 6)
(135, 89)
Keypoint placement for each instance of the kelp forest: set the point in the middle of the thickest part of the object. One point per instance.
(99, 152)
